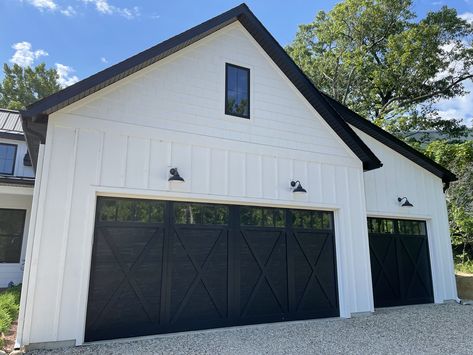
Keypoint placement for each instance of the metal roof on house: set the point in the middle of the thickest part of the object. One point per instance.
(10, 121)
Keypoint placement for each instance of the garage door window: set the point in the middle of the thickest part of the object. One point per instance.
(380, 226)
(130, 210)
(412, 227)
(196, 213)
(12, 223)
(261, 217)
(311, 219)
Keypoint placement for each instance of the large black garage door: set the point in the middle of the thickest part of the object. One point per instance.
(161, 266)
(400, 263)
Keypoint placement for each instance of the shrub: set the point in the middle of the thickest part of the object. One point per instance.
(9, 307)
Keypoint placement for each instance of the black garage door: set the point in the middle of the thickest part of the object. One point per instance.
(400, 263)
(162, 266)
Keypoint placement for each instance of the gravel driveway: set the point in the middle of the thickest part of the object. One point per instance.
(425, 329)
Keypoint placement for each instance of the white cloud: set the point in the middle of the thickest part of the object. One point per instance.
(460, 107)
(43, 4)
(104, 7)
(104, 60)
(467, 16)
(52, 6)
(65, 75)
(24, 55)
(68, 11)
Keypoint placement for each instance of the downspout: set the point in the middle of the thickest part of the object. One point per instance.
(30, 132)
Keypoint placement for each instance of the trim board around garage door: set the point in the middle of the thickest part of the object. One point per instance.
(163, 266)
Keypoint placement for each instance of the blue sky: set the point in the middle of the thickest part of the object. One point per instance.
(81, 37)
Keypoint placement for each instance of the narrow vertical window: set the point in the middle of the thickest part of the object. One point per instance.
(237, 91)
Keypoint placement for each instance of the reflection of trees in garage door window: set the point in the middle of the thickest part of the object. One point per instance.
(261, 217)
(380, 226)
(396, 226)
(197, 213)
(412, 227)
(311, 219)
(130, 210)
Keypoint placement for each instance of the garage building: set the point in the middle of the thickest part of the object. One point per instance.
(205, 183)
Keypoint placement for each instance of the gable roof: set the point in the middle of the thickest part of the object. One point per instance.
(391, 141)
(39, 111)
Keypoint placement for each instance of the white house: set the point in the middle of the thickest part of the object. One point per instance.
(205, 182)
(16, 193)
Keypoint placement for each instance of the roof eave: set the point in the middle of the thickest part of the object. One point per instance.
(392, 142)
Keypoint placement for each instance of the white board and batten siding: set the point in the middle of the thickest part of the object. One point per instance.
(123, 140)
(400, 177)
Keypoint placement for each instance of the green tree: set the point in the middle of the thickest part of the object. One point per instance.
(23, 86)
(458, 157)
(377, 58)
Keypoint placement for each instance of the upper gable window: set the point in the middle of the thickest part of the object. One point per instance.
(7, 158)
(237, 91)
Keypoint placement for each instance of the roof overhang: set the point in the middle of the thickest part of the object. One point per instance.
(391, 141)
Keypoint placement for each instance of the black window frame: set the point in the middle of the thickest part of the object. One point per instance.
(14, 158)
(227, 112)
(21, 236)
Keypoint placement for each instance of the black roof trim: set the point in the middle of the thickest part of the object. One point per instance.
(241, 13)
(391, 141)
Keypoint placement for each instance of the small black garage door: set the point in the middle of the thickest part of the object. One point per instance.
(400, 263)
(162, 266)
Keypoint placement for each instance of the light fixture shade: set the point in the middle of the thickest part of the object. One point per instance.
(175, 177)
(297, 187)
(406, 203)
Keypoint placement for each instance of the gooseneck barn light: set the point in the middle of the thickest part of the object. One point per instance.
(175, 176)
(406, 202)
(297, 187)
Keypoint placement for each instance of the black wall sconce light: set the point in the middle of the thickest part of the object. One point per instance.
(406, 202)
(297, 187)
(175, 176)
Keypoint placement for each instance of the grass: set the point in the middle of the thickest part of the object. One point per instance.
(9, 307)
(466, 267)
